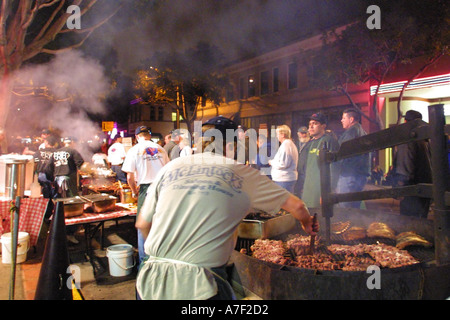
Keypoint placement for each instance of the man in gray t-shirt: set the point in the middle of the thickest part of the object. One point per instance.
(190, 216)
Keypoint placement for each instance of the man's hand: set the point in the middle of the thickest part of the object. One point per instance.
(298, 209)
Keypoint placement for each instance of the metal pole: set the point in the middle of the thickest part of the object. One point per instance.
(440, 173)
(13, 181)
(14, 240)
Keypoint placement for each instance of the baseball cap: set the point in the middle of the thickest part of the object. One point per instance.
(412, 115)
(303, 129)
(142, 129)
(221, 123)
(320, 117)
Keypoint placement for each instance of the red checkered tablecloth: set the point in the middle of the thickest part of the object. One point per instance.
(98, 217)
(31, 215)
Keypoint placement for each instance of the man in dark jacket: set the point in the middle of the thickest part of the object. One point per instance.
(412, 165)
(353, 172)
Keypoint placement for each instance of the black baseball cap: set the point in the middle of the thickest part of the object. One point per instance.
(142, 129)
(320, 117)
(411, 115)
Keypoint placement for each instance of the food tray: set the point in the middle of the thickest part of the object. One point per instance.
(258, 229)
(73, 206)
(101, 202)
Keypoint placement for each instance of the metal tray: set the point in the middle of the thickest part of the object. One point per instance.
(73, 206)
(263, 229)
(101, 202)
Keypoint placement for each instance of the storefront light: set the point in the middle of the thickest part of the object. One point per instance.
(421, 83)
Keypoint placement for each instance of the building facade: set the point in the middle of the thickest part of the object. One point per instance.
(273, 89)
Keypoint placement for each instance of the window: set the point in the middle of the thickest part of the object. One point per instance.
(264, 82)
(241, 88)
(160, 113)
(292, 75)
(229, 94)
(276, 79)
(152, 113)
(251, 86)
(136, 113)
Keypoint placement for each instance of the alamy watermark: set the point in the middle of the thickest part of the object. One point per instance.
(374, 20)
(374, 280)
(74, 278)
(74, 21)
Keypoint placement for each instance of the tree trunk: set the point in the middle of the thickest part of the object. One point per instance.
(5, 98)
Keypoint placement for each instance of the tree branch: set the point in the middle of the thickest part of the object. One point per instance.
(430, 62)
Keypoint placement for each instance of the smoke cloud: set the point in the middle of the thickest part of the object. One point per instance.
(60, 95)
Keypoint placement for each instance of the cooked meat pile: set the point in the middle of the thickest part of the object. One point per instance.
(270, 250)
(294, 252)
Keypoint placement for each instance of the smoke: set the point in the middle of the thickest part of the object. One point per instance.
(239, 28)
(60, 94)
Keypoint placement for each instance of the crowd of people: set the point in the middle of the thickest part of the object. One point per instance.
(189, 205)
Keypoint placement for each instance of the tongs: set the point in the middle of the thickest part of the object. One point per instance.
(312, 240)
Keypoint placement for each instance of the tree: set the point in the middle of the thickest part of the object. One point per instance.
(30, 28)
(432, 20)
(184, 81)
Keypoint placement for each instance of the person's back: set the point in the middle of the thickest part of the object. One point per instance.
(412, 165)
(198, 202)
(190, 216)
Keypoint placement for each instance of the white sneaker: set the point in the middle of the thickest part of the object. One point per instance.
(72, 239)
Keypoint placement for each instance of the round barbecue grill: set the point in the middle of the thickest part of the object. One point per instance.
(423, 280)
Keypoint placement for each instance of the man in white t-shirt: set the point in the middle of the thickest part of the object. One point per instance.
(191, 213)
(142, 163)
(116, 156)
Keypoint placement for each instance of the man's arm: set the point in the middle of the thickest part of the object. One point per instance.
(132, 183)
(143, 225)
(298, 209)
